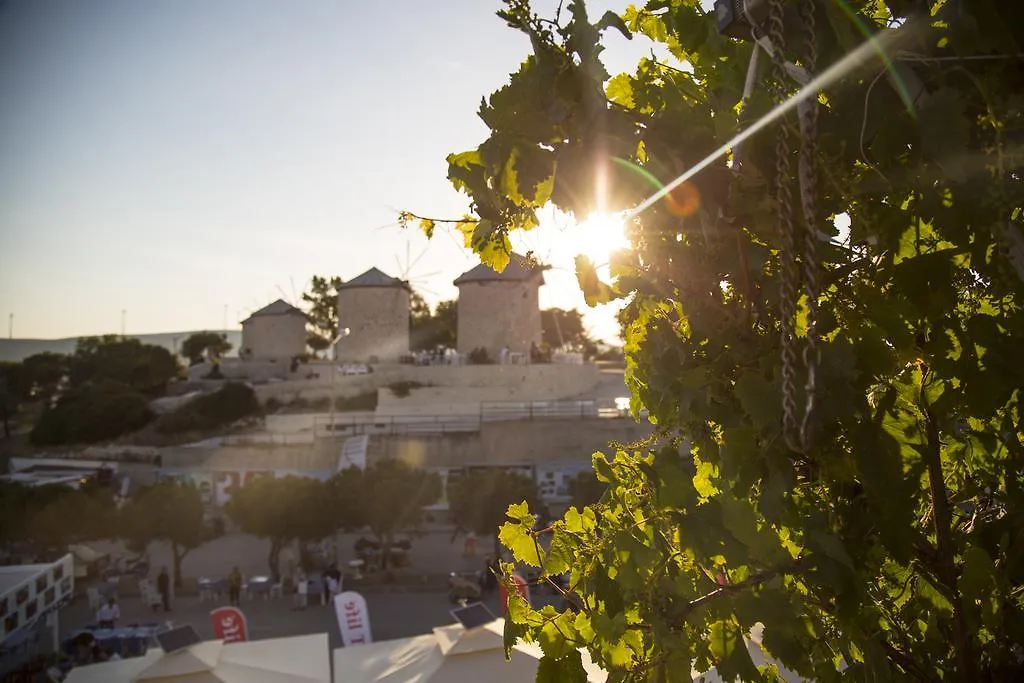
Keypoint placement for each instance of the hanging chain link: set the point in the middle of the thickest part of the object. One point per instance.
(797, 427)
(787, 253)
(808, 113)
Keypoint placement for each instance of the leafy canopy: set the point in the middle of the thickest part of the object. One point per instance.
(890, 548)
(203, 346)
(322, 301)
(478, 500)
(167, 511)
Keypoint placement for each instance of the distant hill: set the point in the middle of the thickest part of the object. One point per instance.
(20, 349)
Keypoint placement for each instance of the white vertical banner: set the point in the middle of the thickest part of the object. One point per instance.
(353, 452)
(353, 618)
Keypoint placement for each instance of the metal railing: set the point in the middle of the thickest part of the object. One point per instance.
(490, 411)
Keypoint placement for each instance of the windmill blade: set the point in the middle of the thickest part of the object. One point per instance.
(281, 292)
(295, 298)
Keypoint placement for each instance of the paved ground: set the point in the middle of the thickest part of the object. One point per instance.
(433, 553)
(391, 616)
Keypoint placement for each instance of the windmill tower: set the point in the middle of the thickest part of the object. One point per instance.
(375, 308)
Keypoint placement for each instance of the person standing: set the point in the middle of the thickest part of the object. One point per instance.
(301, 589)
(234, 586)
(108, 614)
(163, 586)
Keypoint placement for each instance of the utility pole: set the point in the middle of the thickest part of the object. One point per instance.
(225, 328)
(10, 326)
(124, 315)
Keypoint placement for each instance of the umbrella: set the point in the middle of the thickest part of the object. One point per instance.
(451, 654)
(302, 659)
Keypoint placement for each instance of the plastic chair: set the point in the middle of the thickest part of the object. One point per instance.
(94, 598)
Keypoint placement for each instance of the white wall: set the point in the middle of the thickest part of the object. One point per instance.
(496, 314)
(378, 320)
(274, 336)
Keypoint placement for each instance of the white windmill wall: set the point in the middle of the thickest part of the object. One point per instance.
(494, 314)
(378, 321)
(276, 337)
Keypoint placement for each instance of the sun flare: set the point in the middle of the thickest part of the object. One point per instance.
(598, 236)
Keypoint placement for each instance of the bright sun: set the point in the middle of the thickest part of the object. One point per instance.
(598, 236)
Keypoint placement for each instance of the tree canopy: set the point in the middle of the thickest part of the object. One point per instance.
(478, 500)
(205, 346)
(167, 511)
(879, 538)
(146, 368)
(283, 510)
(100, 410)
(322, 299)
(51, 517)
(563, 328)
(432, 329)
(392, 496)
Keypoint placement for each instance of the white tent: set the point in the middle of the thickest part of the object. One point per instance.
(451, 654)
(302, 659)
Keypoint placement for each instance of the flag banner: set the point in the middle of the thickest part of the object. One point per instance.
(353, 618)
(229, 625)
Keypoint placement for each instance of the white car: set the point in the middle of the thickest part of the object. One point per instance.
(355, 369)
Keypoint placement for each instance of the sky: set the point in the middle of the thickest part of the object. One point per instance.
(189, 161)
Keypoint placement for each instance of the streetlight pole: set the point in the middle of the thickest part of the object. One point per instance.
(342, 333)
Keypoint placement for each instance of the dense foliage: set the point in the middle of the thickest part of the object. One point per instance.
(884, 541)
(283, 510)
(432, 329)
(563, 329)
(232, 402)
(44, 520)
(99, 410)
(478, 500)
(322, 302)
(392, 496)
(167, 511)
(203, 346)
(146, 368)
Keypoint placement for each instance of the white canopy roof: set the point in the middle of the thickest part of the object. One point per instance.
(302, 659)
(450, 654)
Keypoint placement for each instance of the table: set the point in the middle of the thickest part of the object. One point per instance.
(211, 588)
(127, 641)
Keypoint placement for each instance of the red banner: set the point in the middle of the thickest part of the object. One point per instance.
(229, 625)
(521, 587)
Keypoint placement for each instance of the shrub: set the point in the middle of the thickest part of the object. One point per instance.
(363, 402)
(404, 388)
(230, 403)
(96, 411)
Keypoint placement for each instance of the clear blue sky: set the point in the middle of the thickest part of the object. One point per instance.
(173, 157)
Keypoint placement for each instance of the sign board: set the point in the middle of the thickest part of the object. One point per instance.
(229, 625)
(353, 618)
(522, 588)
(353, 452)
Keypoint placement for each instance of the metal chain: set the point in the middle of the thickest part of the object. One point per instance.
(787, 252)
(808, 113)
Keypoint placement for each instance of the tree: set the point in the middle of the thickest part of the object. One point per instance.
(429, 330)
(585, 489)
(882, 535)
(282, 511)
(322, 298)
(232, 402)
(51, 517)
(392, 496)
(167, 511)
(146, 368)
(41, 375)
(100, 410)
(203, 346)
(478, 500)
(564, 329)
